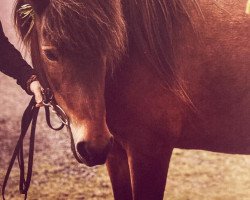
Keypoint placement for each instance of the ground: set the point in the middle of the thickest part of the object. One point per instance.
(193, 175)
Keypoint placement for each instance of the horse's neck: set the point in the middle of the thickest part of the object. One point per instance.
(214, 66)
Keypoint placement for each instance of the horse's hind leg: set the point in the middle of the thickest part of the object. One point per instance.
(118, 169)
(149, 173)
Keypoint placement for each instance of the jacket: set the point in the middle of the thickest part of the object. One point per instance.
(12, 63)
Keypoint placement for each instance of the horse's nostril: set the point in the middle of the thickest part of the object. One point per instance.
(94, 155)
(81, 149)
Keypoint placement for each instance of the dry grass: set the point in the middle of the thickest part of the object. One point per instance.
(204, 175)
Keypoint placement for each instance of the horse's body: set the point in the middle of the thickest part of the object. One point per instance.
(220, 87)
(149, 120)
(205, 106)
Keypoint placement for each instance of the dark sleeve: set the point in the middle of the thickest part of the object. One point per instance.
(12, 63)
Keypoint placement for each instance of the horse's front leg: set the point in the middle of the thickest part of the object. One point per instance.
(118, 169)
(149, 171)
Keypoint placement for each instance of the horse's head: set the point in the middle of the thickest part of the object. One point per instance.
(72, 42)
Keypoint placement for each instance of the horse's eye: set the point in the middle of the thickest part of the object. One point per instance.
(51, 55)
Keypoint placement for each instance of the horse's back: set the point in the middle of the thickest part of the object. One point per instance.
(216, 73)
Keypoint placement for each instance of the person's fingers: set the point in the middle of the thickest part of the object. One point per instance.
(38, 95)
(40, 104)
(36, 88)
(248, 7)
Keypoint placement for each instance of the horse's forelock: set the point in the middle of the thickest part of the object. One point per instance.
(89, 26)
(92, 26)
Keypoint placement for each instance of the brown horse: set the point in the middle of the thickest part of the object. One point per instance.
(157, 74)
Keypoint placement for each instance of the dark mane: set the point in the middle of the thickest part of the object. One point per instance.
(97, 27)
(91, 26)
(151, 27)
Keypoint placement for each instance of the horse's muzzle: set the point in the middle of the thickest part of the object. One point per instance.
(91, 155)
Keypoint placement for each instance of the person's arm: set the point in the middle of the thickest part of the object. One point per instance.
(12, 63)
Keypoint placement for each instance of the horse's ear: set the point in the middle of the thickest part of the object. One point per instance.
(39, 5)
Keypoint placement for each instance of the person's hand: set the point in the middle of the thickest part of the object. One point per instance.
(248, 7)
(36, 89)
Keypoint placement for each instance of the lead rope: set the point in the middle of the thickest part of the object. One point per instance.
(30, 117)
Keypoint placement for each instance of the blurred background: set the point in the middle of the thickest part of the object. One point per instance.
(193, 175)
